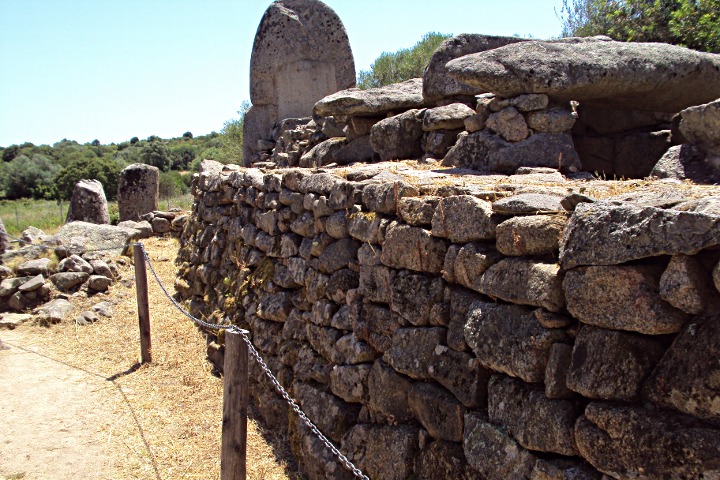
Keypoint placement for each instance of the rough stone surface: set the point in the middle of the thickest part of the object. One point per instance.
(88, 203)
(461, 374)
(494, 454)
(4, 239)
(68, 280)
(388, 394)
(12, 320)
(553, 120)
(611, 365)
(75, 263)
(437, 84)
(685, 284)
(331, 415)
(413, 349)
(621, 297)
(556, 371)
(633, 76)
(535, 235)
(99, 283)
(413, 248)
(54, 312)
(525, 282)
(463, 219)
(448, 117)
(473, 149)
(603, 234)
(554, 150)
(509, 124)
(438, 411)
(138, 191)
(373, 101)
(508, 339)
(471, 261)
(632, 442)
(528, 204)
(34, 267)
(685, 162)
(418, 211)
(536, 422)
(384, 197)
(701, 124)
(398, 137)
(443, 460)
(687, 377)
(301, 53)
(383, 451)
(349, 382)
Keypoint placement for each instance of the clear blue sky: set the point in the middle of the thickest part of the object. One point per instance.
(114, 69)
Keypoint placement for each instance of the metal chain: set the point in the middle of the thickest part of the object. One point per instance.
(212, 326)
(251, 348)
(343, 459)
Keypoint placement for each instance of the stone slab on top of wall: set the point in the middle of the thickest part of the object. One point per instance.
(138, 191)
(301, 54)
(632, 76)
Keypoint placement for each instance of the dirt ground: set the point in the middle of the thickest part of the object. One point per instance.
(76, 404)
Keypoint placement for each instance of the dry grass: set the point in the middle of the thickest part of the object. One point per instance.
(168, 413)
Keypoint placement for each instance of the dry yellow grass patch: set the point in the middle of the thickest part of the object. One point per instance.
(168, 414)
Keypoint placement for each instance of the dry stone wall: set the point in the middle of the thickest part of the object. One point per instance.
(436, 326)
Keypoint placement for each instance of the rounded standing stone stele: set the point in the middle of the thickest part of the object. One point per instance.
(88, 203)
(138, 191)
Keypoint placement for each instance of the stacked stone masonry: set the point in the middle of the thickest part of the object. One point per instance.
(523, 327)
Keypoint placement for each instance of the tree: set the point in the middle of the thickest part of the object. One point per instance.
(134, 140)
(691, 23)
(105, 170)
(28, 177)
(95, 143)
(187, 135)
(155, 153)
(232, 136)
(10, 153)
(402, 65)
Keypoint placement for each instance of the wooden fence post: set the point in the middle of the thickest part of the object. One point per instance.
(141, 289)
(233, 462)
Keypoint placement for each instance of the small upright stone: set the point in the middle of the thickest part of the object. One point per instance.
(138, 191)
(4, 239)
(88, 203)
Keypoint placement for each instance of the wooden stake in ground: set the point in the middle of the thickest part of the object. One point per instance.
(235, 405)
(141, 288)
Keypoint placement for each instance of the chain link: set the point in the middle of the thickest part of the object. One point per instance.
(251, 348)
(296, 408)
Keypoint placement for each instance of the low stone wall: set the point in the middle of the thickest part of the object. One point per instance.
(437, 326)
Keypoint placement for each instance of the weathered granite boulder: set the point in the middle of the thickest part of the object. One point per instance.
(685, 162)
(633, 76)
(508, 339)
(442, 460)
(473, 149)
(535, 421)
(437, 83)
(398, 137)
(492, 452)
(383, 451)
(528, 204)
(622, 298)
(138, 191)
(464, 218)
(633, 442)
(509, 123)
(701, 124)
(34, 267)
(388, 394)
(447, 117)
(470, 262)
(525, 282)
(413, 349)
(373, 101)
(685, 284)
(65, 281)
(553, 120)
(98, 283)
(530, 235)
(413, 248)
(54, 312)
(605, 234)
(686, 378)
(554, 150)
(75, 263)
(438, 411)
(88, 203)
(461, 374)
(113, 239)
(611, 365)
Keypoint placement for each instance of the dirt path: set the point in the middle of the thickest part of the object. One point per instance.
(54, 420)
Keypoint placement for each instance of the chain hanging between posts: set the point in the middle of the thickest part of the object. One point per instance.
(251, 348)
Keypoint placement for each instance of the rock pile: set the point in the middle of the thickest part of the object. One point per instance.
(524, 326)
